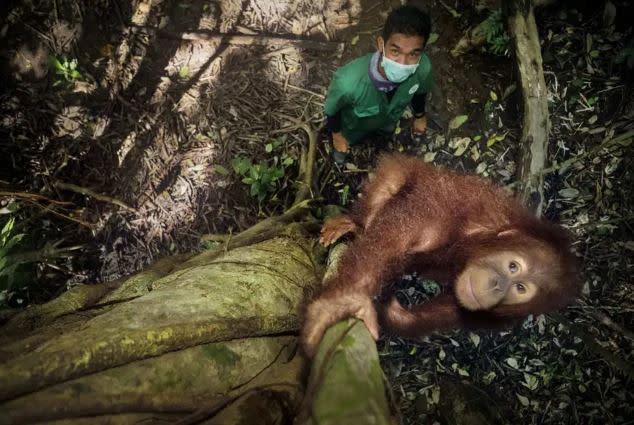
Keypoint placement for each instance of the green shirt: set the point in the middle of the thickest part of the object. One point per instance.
(363, 107)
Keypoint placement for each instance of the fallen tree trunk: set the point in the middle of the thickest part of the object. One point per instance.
(168, 386)
(346, 383)
(535, 121)
(208, 338)
(169, 340)
(270, 40)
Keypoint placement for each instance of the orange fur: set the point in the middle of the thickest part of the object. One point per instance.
(414, 216)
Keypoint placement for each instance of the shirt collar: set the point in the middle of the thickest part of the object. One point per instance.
(381, 83)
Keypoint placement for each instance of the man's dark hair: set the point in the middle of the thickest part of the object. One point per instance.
(408, 20)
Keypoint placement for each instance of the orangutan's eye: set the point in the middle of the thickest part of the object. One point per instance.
(521, 288)
(514, 267)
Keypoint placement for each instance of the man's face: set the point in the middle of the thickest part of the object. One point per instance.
(404, 49)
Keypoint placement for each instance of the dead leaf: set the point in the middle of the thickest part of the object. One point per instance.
(433, 37)
(429, 156)
(459, 145)
(458, 121)
(568, 193)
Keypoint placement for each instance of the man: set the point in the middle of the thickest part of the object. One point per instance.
(370, 93)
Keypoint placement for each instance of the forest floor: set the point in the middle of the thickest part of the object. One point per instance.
(129, 133)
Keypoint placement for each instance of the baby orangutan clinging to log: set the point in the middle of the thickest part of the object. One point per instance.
(501, 262)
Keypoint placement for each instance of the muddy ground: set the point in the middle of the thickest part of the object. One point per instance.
(130, 159)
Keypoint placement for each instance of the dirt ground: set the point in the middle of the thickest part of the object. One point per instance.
(131, 160)
(152, 114)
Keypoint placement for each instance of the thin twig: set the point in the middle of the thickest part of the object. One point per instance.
(321, 96)
(308, 165)
(33, 197)
(590, 342)
(595, 224)
(564, 165)
(64, 216)
(604, 144)
(49, 251)
(607, 321)
(243, 39)
(88, 192)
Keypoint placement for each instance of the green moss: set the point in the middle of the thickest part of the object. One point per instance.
(348, 341)
(221, 355)
(80, 388)
(159, 335)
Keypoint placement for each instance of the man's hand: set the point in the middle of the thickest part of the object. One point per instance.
(420, 125)
(339, 142)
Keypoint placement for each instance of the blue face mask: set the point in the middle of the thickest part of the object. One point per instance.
(396, 72)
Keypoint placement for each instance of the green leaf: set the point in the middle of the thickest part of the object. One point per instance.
(183, 72)
(460, 145)
(435, 394)
(458, 121)
(494, 138)
(57, 64)
(354, 40)
(489, 377)
(475, 338)
(278, 173)
(268, 148)
(493, 95)
(511, 361)
(429, 156)
(433, 37)
(13, 241)
(345, 194)
(524, 400)
(221, 170)
(530, 381)
(568, 193)
(6, 229)
(241, 165)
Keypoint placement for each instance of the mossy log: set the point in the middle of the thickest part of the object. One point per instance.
(192, 339)
(167, 341)
(346, 384)
(535, 121)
